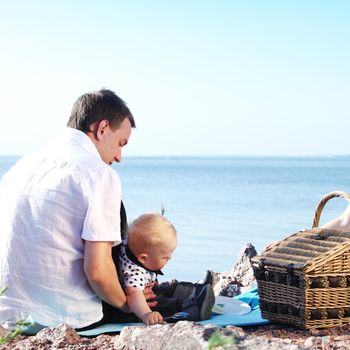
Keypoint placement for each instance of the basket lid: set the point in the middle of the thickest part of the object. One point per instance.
(308, 246)
(303, 248)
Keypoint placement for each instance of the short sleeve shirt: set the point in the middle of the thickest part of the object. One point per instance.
(50, 202)
(132, 273)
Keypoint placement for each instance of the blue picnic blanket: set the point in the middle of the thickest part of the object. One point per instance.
(252, 318)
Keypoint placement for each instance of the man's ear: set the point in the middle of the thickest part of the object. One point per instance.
(142, 257)
(101, 129)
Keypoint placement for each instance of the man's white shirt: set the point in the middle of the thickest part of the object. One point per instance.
(50, 202)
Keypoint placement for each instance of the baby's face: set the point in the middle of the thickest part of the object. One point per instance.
(159, 256)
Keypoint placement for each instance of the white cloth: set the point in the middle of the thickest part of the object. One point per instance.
(50, 202)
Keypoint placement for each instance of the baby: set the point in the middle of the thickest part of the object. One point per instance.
(151, 243)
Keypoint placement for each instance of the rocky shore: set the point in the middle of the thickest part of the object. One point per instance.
(189, 335)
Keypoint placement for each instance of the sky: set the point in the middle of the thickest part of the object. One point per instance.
(202, 78)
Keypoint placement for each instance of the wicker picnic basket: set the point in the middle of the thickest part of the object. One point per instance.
(304, 280)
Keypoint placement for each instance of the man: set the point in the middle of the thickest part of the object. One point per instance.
(58, 219)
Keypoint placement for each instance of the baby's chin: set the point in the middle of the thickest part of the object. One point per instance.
(153, 268)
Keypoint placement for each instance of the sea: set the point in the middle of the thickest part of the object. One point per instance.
(220, 204)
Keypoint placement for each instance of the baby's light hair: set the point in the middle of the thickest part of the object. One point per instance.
(149, 231)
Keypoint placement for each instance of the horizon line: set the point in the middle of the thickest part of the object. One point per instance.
(214, 156)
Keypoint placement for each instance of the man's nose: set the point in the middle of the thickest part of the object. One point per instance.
(118, 157)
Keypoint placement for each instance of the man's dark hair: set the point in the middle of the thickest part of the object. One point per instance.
(96, 106)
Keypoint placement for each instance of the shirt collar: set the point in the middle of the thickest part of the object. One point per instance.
(78, 137)
(133, 258)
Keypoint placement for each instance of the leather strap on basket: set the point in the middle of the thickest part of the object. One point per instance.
(323, 202)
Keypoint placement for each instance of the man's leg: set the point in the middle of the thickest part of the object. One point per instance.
(113, 315)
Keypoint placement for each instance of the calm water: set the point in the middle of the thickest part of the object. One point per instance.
(220, 204)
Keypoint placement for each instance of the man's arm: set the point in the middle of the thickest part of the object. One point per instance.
(102, 274)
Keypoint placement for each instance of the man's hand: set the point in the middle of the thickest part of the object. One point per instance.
(153, 317)
(149, 295)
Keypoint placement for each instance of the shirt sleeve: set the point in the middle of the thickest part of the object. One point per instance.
(102, 219)
(135, 278)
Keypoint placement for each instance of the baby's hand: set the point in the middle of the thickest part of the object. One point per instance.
(153, 317)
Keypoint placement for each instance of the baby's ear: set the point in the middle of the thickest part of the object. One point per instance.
(142, 257)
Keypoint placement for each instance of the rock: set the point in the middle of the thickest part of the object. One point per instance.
(237, 331)
(49, 338)
(181, 335)
(264, 343)
(102, 342)
(312, 342)
(60, 337)
(328, 342)
(63, 334)
(240, 278)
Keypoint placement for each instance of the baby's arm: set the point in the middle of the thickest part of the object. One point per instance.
(138, 305)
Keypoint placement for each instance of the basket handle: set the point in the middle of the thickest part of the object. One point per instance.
(323, 202)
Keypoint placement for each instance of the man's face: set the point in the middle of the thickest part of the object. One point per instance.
(111, 142)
